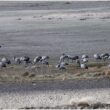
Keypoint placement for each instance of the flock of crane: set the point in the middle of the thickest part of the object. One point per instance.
(63, 60)
(81, 62)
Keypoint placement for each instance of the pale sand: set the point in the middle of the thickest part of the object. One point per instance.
(53, 98)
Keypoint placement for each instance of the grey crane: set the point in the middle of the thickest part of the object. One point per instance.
(37, 59)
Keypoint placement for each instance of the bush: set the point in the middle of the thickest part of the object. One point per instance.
(32, 75)
(25, 74)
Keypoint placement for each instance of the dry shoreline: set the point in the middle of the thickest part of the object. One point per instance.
(55, 94)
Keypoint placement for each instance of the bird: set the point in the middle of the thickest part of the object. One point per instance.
(72, 58)
(2, 64)
(44, 58)
(85, 60)
(85, 56)
(78, 62)
(63, 57)
(5, 60)
(17, 60)
(37, 59)
(25, 59)
(105, 56)
(61, 66)
(83, 66)
(109, 58)
(45, 62)
(57, 66)
(97, 56)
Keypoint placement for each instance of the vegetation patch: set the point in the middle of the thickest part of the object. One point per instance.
(20, 73)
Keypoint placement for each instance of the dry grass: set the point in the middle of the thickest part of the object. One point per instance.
(20, 73)
(98, 65)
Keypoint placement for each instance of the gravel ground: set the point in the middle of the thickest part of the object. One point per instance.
(52, 94)
(52, 98)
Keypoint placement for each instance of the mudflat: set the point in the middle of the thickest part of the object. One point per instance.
(52, 28)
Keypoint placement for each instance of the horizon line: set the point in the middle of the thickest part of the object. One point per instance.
(54, 0)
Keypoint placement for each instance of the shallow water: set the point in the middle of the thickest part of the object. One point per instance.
(75, 5)
(37, 36)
